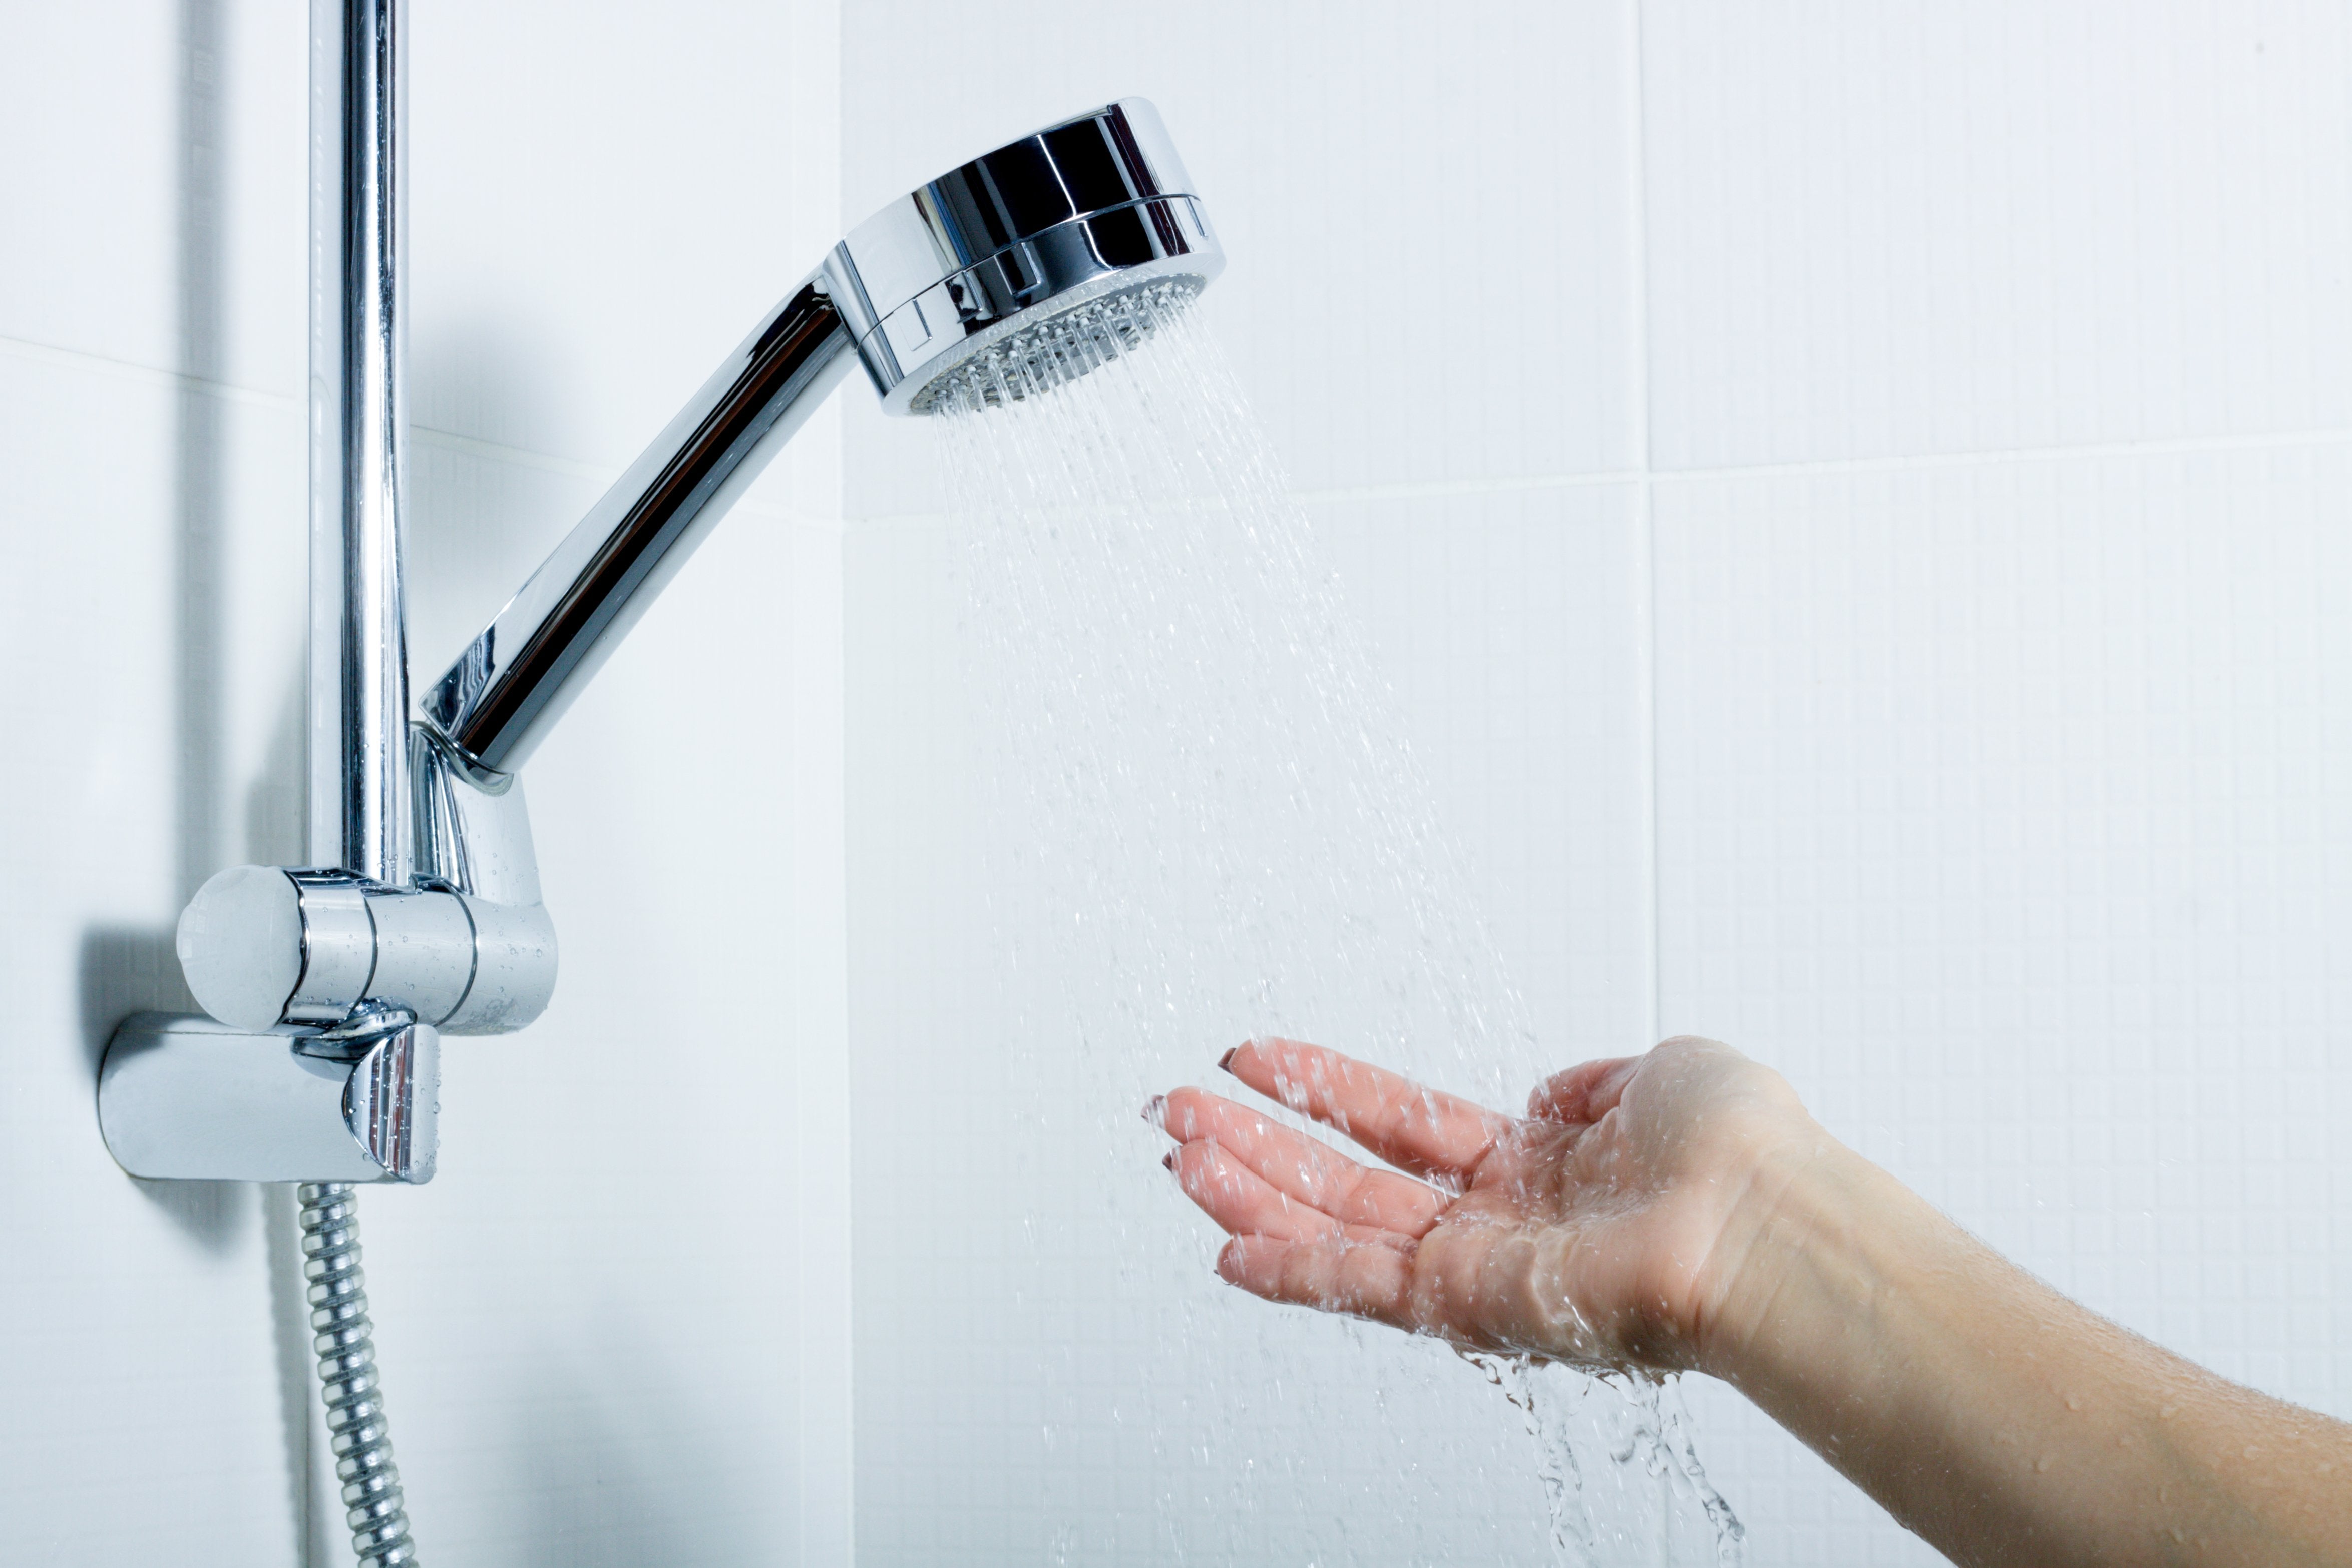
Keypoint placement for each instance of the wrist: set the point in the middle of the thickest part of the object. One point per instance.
(1795, 1264)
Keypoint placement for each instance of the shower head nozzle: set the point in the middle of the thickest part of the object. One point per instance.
(1047, 256)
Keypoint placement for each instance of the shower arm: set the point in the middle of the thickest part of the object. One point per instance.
(484, 717)
(1096, 206)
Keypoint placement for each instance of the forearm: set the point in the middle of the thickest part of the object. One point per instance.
(2000, 1421)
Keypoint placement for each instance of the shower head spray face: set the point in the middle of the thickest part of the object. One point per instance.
(1027, 267)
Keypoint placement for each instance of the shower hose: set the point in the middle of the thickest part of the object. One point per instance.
(376, 1512)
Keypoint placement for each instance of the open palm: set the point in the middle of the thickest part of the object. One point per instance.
(1594, 1230)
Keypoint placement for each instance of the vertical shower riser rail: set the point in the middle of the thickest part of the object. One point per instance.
(359, 807)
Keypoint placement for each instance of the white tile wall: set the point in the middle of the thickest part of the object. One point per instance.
(1879, 230)
(1508, 627)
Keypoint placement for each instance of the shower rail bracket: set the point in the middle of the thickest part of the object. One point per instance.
(185, 1096)
(326, 995)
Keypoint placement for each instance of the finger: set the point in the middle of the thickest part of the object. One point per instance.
(1583, 1095)
(1372, 1282)
(1311, 1172)
(1411, 1127)
(1242, 1201)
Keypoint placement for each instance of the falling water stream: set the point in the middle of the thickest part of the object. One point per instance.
(1204, 823)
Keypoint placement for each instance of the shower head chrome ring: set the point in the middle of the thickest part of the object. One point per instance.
(1095, 207)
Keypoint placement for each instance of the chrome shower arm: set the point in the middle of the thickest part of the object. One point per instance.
(984, 258)
(498, 701)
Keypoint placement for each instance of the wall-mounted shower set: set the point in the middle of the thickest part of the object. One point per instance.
(330, 987)
(438, 928)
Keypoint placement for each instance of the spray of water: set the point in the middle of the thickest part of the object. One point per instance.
(1204, 824)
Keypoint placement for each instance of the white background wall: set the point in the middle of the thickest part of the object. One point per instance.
(1851, 499)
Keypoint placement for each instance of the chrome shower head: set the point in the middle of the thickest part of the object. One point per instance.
(1026, 267)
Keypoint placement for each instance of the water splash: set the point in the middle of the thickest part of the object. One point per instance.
(1204, 824)
(1641, 1426)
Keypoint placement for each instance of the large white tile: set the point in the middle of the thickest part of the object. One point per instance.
(1880, 229)
(604, 200)
(2001, 805)
(1428, 221)
(156, 186)
(1511, 632)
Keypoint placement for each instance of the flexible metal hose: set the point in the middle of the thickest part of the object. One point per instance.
(378, 1514)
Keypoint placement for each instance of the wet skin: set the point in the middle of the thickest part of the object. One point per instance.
(1679, 1211)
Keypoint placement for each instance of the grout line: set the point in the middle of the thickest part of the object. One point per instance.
(1646, 590)
(1643, 478)
(1647, 477)
(423, 435)
(515, 457)
(1505, 484)
(143, 375)
(2273, 440)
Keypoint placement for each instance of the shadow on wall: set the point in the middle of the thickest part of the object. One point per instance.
(123, 970)
(130, 969)
(477, 526)
(633, 1478)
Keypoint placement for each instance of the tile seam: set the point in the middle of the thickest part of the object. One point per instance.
(145, 374)
(1602, 479)
(1646, 639)
(423, 435)
(1643, 475)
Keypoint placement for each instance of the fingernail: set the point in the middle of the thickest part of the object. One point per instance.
(1226, 1062)
(1168, 1162)
(1155, 1110)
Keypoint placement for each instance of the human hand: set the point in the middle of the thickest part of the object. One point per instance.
(1609, 1226)
(1680, 1210)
